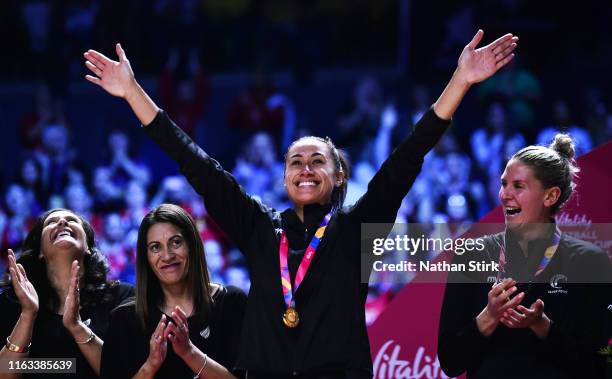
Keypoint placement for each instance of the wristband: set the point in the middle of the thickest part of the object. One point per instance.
(17, 349)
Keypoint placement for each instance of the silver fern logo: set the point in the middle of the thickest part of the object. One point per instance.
(556, 280)
(556, 283)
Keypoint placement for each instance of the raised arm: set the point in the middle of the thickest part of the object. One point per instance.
(396, 175)
(474, 66)
(225, 200)
(117, 78)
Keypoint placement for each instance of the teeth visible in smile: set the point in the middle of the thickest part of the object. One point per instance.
(512, 211)
(303, 184)
(64, 233)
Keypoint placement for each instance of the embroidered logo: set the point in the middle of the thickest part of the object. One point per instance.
(556, 284)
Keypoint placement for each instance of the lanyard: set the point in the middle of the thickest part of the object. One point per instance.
(550, 251)
(304, 264)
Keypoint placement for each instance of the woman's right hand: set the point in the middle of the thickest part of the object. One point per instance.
(117, 78)
(158, 347)
(499, 300)
(24, 289)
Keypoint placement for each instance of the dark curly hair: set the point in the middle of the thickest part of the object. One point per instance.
(94, 284)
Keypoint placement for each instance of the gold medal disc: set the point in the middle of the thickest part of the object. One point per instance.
(291, 318)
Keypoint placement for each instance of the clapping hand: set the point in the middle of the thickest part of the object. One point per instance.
(158, 346)
(178, 333)
(71, 317)
(24, 289)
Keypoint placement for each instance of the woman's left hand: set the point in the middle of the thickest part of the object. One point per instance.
(532, 317)
(476, 65)
(178, 333)
(71, 317)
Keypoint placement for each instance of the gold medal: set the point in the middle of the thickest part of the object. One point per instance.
(291, 318)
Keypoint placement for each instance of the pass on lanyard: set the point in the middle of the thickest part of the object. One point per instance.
(304, 264)
(550, 251)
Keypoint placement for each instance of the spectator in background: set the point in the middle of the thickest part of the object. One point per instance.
(135, 198)
(175, 190)
(520, 89)
(113, 246)
(79, 200)
(18, 218)
(184, 89)
(123, 168)
(258, 171)
(256, 109)
(215, 259)
(55, 158)
(465, 197)
(30, 181)
(563, 123)
(489, 148)
(108, 197)
(46, 108)
(360, 125)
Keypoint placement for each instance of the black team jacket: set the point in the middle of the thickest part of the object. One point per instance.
(575, 288)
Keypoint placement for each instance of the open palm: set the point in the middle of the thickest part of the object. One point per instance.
(114, 76)
(24, 289)
(479, 64)
(71, 315)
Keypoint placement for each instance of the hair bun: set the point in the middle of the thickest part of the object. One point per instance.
(564, 145)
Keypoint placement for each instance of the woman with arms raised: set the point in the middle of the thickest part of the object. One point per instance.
(305, 313)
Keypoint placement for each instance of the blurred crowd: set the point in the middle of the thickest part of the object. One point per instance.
(458, 184)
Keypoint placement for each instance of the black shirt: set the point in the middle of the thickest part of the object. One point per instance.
(127, 346)
(51, 340)
(332, 333)
(576, 305)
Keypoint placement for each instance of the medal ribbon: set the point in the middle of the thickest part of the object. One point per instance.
(304, 264)
(548, 254)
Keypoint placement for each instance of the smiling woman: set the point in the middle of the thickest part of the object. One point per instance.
(168, 255)
(177, 305)
(316, 172)
(545, 315)
(60, 301)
